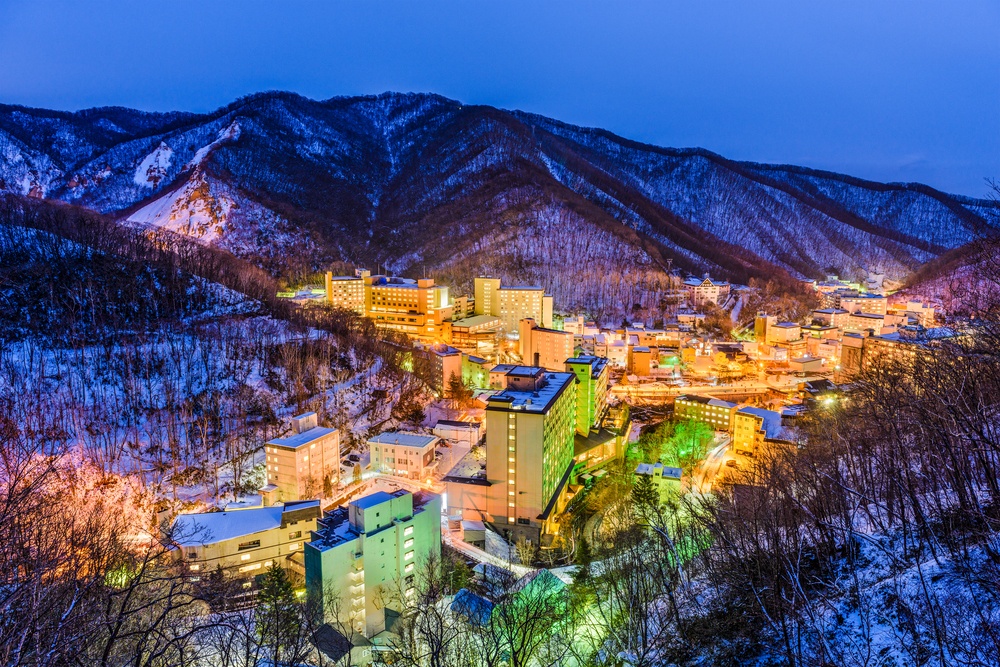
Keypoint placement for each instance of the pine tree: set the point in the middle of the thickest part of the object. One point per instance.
(644, 494)
(278, 619)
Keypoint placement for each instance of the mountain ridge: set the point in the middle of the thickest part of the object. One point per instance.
(295, 184)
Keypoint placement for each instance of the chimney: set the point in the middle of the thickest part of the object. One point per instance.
(304, 422)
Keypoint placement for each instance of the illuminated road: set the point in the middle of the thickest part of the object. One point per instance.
(704, 475)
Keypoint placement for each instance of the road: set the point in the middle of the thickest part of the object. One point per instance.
(704, 475)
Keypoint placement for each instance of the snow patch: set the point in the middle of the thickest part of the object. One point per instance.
(231, 133)
(192, 210)
(153, 167)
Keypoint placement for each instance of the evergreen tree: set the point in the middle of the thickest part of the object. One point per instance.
(278, 621)
(645, 496)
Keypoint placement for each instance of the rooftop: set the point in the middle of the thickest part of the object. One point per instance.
(404, 439)
(539, 400)
(475, 320)
(771, 420)
(213, 527)
(522, 287)
(597, 364)
(705, 400)
(296, 440)
(469, 470)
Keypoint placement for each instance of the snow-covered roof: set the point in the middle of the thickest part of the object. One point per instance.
(213, 527)
(296, 440)
(771, 420)
(404, 439)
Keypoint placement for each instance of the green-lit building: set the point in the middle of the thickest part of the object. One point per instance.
(363, 556)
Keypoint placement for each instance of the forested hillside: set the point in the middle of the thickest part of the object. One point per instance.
(423, 184)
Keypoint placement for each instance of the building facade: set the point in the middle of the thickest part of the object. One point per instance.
(303, 465)
(403, 454)
(544, 348)
(712, 411)
(347, 292)
(705, 290)
(752, 426)
(244, 543)
(512, 303)
(362, 559)
(418, 308)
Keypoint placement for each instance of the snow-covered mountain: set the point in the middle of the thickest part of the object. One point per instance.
(420, 183)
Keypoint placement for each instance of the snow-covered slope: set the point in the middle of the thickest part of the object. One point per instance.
(296, 183)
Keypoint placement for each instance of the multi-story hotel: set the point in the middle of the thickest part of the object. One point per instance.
(530, 428)
(712, 411)
(403, 454)
(512, 303)
(418, 308)
(347, 291)
(363, 558)
(545, 348)
(305, 464)
(245, 542)
(875, 304)
(538, 427)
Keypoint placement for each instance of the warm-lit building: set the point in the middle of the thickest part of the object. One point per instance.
(865, 303)
(752, 427)
(835, 317)
(903, 347)
(418, 308)
(244, 543)
(785, 332)
(303, 465)
(476, 333)
(705, 290)
(512, 303)
(542, 347)
(361, 565)
(347, 292)
(639, 360)
(712, 411)
(538, 428)
(403, 454)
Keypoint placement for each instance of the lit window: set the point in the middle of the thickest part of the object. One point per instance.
(408, 568)
(408, 543)
(293, 546)
(408, 530)
(245, 557)
(194, 568)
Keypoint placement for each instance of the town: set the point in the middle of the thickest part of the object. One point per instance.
(532, 410)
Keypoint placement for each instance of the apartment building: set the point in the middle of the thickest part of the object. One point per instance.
(752, 427)
(363, 556)
(716, 413)
(512, 303)
(303, 465)
(542, 347)
(404, 454)
(701, 291)
(245, 542)
(666, 480)
(592, 384)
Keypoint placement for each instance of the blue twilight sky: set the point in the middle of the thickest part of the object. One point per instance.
(902, 90)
